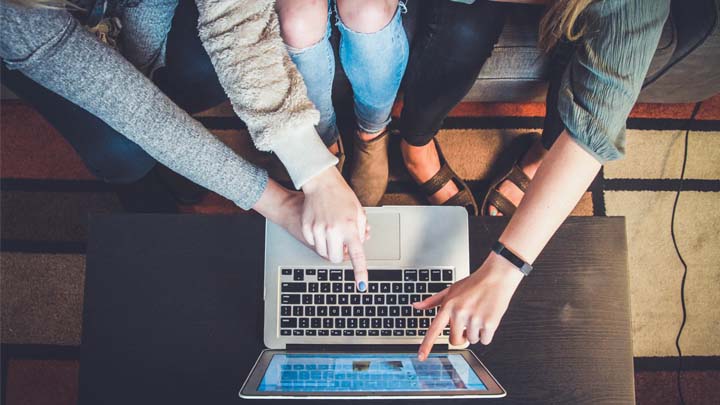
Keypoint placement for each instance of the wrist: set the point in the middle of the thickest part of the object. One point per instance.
(501, 269)
(271, 202)
(322, 180)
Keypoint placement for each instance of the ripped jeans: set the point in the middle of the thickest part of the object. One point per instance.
(373, 62)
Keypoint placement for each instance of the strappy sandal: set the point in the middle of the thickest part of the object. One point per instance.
(515, 175)
(463, 198)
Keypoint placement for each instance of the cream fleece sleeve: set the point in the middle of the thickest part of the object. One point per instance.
(243, 41)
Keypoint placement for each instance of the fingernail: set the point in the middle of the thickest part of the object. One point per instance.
(361, 286)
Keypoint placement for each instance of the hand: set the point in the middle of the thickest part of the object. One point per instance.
(334, 222)
(473, 306)
(283, 207)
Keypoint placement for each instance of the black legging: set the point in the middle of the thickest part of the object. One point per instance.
(452, 43)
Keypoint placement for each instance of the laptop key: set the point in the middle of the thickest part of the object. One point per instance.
(346, 311)
(297, 311)
(379, 299)
(290, 299)
(285, 332)
(319, 299)
(376, 323)
(357, 311)
(323, 332)
(417, 312)
(293, 287)
(307, 299)
(347, 332)
(391, 299)
(327, 323)
(384, 287)
(334, 311)
(422, 332)
(335, 332)
(385, 332)
(409, 288)
(286, 272)
(343, 299)
(424, 323)
(394, 311)
(315, 323)
(313, 287)
(367, 299)
(288, 323)
(322, 275)
(436, 287)
(388, 323)
(397, 287)
(322, 311)
(398, 332)
(340, 323)
(435, 275)
(412, 323)
(430, 312)
(310, 272)
(369, 311)
(406, 311)
(355, 299)
(325, 287)
(382, 311)
(373, 287)
(447, 275)
(364, 323)
(331, 299)
(424, 275)
(336, 275)
(310, 311)
(410, 275)
(400, 323)
(415, 298)
(338, 288)
(310, 332)
(373, 332)
(285, 310)
(352, 323)
(349, 287)
(385, 275)
(360, 332)
(421, 287)
(349, 275)
(304, 323)
(410, 332)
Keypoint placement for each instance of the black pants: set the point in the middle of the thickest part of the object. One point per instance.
(188, 78)
(452, 43)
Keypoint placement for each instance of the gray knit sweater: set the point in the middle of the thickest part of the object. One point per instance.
(243, 41)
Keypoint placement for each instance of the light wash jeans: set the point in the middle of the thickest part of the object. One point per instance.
(374, 63)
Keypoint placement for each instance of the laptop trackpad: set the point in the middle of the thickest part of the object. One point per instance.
(384, 243)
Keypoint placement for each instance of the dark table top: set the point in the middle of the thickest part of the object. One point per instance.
(173, 312)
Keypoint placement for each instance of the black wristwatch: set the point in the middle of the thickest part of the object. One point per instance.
(524, 267)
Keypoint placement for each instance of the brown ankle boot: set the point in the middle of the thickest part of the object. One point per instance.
(369, 172)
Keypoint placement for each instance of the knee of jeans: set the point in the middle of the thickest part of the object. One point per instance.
(303, 23)
(118, 161)
(366, 16)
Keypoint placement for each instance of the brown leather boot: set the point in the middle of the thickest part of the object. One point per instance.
(369, 172)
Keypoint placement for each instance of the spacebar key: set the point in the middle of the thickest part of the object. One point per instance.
(384, 275)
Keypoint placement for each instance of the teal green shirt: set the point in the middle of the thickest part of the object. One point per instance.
(605, 74)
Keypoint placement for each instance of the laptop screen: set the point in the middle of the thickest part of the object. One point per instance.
(290, 372)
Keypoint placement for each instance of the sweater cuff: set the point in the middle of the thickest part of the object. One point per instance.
(304, 154)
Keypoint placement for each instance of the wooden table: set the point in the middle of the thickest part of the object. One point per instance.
(173, 312)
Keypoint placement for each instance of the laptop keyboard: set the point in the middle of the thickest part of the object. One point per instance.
(325, 302)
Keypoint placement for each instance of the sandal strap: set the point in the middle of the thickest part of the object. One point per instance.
(518, 177)
(499, 201)
(436, 182)
(463, 198)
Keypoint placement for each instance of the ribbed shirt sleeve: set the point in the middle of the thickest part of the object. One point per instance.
(51, 48)
(605, 75)
(243, 41)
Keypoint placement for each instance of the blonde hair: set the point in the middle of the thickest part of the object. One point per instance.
(560, 21)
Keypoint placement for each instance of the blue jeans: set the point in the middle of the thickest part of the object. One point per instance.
(373, 62)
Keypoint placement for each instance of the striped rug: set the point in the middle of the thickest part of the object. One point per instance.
(47, 195)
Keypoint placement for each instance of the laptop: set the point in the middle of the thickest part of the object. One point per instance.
(325, 340)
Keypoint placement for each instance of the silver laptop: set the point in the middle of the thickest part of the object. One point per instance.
(327, 340)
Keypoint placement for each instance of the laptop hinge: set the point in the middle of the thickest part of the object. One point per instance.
(361, 348)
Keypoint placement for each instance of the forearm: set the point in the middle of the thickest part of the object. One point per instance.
(266, 90)
(558, 185)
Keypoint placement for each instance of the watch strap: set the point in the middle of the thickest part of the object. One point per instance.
(500, 249)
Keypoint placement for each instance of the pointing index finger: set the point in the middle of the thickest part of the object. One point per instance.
(437, 325)
(356, 251)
